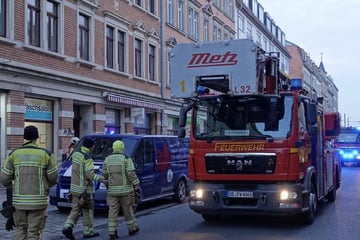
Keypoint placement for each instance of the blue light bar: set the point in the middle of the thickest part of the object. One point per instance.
(296, 84)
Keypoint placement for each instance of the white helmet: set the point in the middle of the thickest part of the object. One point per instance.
(75, 140)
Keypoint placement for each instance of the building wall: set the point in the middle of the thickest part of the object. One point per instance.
(78, 97)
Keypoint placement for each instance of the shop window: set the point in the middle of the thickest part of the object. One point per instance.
(112, 122)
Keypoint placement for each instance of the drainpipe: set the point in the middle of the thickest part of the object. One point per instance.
(162, 60)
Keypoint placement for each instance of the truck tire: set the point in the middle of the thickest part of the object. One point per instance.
(210, 217)
(180, 191)
(331, 196)
(309, 216)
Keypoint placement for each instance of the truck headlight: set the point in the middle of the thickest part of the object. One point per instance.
(198, 193)
(286, 195)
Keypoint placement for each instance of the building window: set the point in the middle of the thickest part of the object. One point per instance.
(249, 30)
(52, 25)
(217, 32)
(142, 125)
(138, 53)
(173, 125)
(138, 2)
(33, 22)
(152, 6)
(217, 3)
(226, 35)
(3, 19)
(170, 12)
(109, 47)
(112, 121)
(181, 15)
(240, 23)
(193, 23)
(206, 29)
(84, 40)
(152, 62)
(121, 51)
(229, 8)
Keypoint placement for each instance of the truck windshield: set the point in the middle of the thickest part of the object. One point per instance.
(348, 136)
(223, 117)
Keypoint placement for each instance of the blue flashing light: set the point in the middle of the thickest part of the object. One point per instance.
(296, 84)
(202, 90)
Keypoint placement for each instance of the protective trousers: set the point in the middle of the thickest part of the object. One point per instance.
(126, 203)
(29, 223)
(76, 212)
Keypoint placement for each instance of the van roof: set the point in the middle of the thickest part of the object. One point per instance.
(129, 136)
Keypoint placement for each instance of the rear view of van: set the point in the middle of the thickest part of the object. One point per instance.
(161, 163)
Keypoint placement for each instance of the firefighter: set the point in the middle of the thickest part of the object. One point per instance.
(30, 171)
(82, 177)
(73, 143)
(119, 170)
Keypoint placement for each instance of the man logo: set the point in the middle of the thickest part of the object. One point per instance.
(239, 164)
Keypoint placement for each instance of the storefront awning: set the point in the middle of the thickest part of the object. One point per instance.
(133, 102)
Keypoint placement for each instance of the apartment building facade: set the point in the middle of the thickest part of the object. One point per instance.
(74, 67)
(252, 21)
(315, 78)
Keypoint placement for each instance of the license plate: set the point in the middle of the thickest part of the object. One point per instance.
(239, 194)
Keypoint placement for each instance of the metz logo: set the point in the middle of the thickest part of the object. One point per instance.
(208, 60)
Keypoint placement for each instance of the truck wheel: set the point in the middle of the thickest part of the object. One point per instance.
(331, 196)
(210, 217)
(309, 216)
(180, 191)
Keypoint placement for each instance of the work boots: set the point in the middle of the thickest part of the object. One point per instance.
(114, 236)
(68, 233)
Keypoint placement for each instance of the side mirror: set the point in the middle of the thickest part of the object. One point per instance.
(183, 114)
(311, 113)
(182, 133)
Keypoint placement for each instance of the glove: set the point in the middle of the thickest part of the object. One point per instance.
(7, 209)
(137, 193)
(10, 224)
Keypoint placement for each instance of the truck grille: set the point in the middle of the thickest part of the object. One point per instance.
(244, 163)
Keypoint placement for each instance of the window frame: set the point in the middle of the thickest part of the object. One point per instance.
(52, 27)
(180, 15)
(152, 62)
(47, 41)
(170, 12)
(33, 21)
(138, 57)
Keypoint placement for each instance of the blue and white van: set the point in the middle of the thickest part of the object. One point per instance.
(161, 163)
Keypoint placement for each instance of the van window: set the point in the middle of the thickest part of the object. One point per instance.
(144, 153)
(103, 146)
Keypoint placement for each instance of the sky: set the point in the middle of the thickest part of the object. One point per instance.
(329, 29)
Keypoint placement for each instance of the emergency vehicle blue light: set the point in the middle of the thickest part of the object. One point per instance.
(296, 84)
(202, 90)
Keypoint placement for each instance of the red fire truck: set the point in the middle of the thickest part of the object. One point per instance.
(258, 144)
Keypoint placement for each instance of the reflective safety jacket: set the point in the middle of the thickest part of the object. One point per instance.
(30, 171)
(82, 173)
(120, 172)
